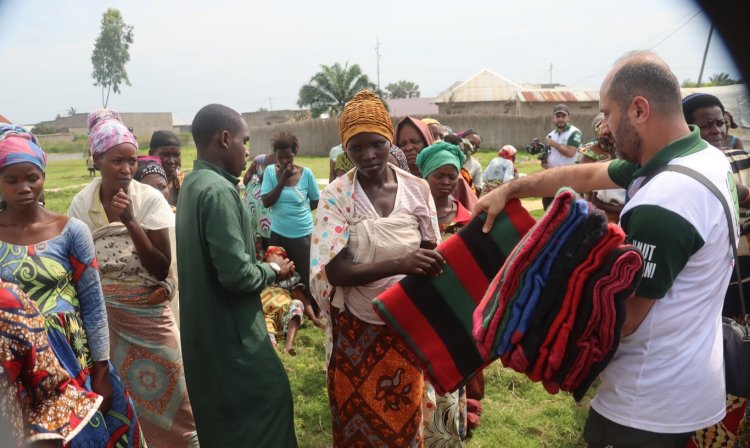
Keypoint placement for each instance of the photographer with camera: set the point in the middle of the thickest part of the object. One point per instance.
(563, 143)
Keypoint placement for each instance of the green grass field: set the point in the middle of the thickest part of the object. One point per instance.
(517, 413)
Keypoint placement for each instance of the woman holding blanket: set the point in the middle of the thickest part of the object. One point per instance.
(374, 225)
(130, 223)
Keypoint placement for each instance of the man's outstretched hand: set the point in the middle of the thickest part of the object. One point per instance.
(492, 203)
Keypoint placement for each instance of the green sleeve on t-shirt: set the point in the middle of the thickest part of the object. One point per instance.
(621, 172)
(575, 139)
(666, 240)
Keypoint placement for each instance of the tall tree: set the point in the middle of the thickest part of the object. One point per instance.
(329, 90)
(402, 89)
(111, 53)
(71, 111)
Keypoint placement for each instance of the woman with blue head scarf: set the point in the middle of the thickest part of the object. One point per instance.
(52, 259)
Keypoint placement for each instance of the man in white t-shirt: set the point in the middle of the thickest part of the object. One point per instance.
(563, 143)
(666, 379)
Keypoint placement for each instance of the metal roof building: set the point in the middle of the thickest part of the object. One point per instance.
(539, 102)
(556, 95)
(488, 93)
(484, 86)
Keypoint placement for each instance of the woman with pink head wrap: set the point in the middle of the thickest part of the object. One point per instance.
(131, 223)
(106, 130)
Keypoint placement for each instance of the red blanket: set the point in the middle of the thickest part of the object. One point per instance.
(435, 315)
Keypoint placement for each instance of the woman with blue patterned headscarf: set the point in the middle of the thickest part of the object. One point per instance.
(52, 259)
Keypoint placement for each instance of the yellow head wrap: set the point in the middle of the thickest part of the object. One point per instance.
(364, 113)
(429, 121)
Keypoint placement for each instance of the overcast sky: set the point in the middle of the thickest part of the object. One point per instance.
(250, 54)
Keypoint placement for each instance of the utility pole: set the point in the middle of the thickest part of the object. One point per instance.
(377, 53)
(270, 103)
(705, 53)
(550, 73)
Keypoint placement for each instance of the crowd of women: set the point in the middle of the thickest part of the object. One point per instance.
(104, 282)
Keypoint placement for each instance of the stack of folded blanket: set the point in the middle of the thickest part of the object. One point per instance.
(547, 298)
(434, 315)
(556, 308)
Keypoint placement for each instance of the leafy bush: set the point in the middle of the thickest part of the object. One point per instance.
(43, 129)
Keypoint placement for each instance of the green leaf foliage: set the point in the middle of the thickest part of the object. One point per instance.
(111, 53)
(329, 90)
(402, 89)
(721, 79)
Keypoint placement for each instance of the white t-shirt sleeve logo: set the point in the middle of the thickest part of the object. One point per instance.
(648, 254)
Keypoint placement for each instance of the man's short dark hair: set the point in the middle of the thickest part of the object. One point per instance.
(212, 119)
(641, 75)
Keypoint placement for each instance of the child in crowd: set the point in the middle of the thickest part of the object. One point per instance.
(284, 303)
(150, 172)
(501, 169)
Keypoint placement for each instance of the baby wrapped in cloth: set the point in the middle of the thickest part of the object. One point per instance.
(373, 240)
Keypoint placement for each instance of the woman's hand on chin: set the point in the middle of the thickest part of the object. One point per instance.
(123, 206)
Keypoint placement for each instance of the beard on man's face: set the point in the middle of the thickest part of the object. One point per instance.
(627, 141)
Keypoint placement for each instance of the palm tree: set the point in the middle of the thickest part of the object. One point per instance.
(329, 90)
(720, 79)
(403, 89)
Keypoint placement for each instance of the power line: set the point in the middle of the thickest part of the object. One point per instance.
(678, 29)
(690, 16)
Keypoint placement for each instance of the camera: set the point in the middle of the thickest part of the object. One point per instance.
(539, 149)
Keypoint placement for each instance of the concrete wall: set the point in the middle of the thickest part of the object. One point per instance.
(318, 136)
(274, 117)
(577, 110)
(478, 108)
(64, 124)
(143, 123)
(521, 109)
(497, 131)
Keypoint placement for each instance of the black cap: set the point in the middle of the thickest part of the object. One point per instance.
(561, 108)
(164, 138)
